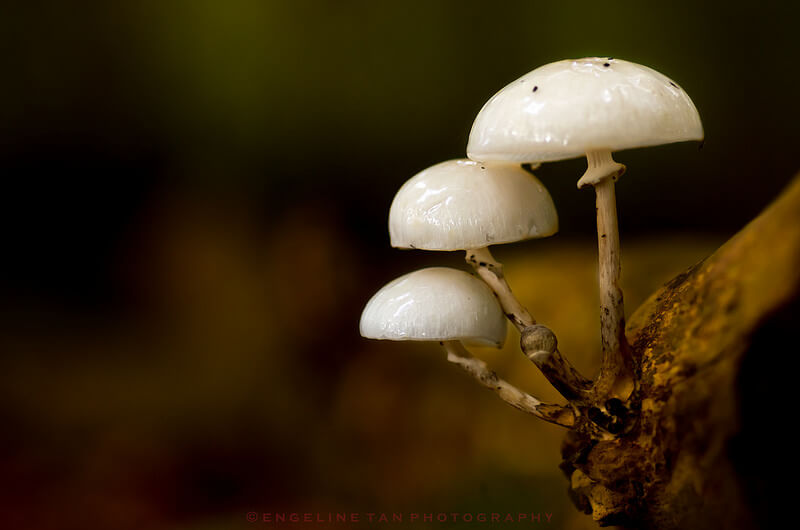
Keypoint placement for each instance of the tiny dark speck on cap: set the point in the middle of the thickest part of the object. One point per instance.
(535, 88)
(606, 64)
(673, 84)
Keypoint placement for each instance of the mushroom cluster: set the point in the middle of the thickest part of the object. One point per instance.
(585, 107)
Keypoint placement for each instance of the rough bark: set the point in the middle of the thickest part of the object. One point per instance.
(710, 351)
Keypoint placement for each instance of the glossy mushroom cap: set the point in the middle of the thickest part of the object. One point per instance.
(564, 109)
(435, 304)
(461, 204)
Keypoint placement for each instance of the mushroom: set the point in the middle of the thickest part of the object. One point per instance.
(451, 306)
(461, 204)
(465, 205)
(435, 304)
(590, 107)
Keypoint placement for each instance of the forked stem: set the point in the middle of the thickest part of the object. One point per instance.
(459, 355)
(537, 342)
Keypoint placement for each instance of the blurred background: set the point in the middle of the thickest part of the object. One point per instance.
(194, 209)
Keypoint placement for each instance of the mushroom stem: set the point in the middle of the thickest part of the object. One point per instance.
(555, 367)
(558, 414)
(540, 345)
(617, 367)
(491, 272)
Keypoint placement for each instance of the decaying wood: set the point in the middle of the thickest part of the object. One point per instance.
(685, 463)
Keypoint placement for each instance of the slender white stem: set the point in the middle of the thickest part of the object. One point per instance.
(459, 355)
(491, 272)
(615, 372)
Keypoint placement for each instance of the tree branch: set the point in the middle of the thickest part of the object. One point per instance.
(676, 467)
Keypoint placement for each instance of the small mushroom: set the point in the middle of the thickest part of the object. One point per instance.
(461, 205)
(435, 304)
(450, 306)
(590, 107)
(465, 205)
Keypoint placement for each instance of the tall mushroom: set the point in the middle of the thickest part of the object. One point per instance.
(464, 205)
(590, 107)
(450, 306)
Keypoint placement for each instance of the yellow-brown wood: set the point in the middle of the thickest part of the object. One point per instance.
(673, 469)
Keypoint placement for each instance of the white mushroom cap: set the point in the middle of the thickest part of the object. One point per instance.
(435, 304)
(564, 109)
(461, 204)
